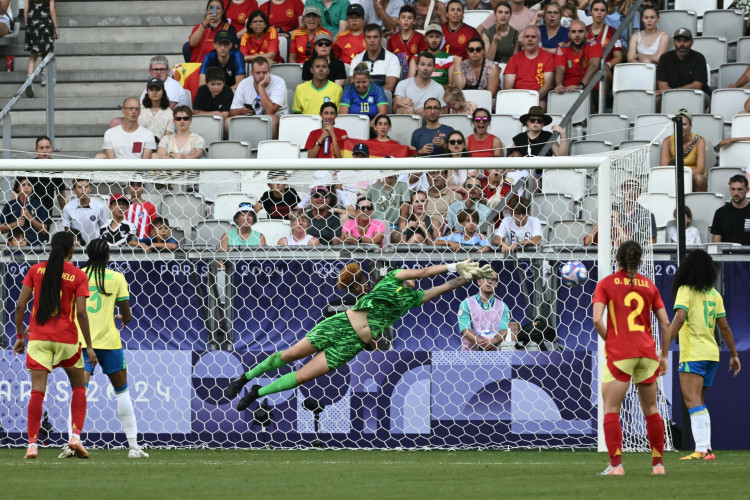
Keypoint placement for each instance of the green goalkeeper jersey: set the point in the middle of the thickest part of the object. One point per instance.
(387, 302)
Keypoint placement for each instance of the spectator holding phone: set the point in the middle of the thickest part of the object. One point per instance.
(262, 94)
(201, 40)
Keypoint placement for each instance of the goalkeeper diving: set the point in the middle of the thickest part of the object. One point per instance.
(338, 339)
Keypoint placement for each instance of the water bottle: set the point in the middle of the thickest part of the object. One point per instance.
(327, 145)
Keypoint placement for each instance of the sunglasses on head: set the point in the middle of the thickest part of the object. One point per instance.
(246, 205)
(536, 120)
(453, 142)
(474, 49)
(182, 118)
(366, 207)
(481, 118)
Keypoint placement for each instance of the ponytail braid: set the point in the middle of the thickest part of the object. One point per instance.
(98, 254)
(49, 294)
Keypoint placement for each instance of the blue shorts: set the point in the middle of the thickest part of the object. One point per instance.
(706, 369)
(110, 360)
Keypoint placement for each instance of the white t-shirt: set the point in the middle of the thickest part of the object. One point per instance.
(371, 16)
(246, 94)
(513, 233)
(379, 69)
(88, 220)
(175, 93)
(692, 235)
(129, 145)
(408, 88)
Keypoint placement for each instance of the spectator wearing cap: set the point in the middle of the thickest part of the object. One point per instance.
(242, 235)
(446, 65)
(227, 58)
(385, 68)
(693, 151)
(118, 232)
(682, 68)
(158, 67)
(201, 40)
(324, 224)
(156, 115)
(260, 39)
(363, 96)
(310, 96)
(332, 12)
(532, 68)
(336, 68)
(302, 39)
(262, 94)
(533, 140)
(412, 92)
(350, 42)
(128, 140)
(360, 150)
(327, 141)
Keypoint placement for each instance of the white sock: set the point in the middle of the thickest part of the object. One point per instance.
(127, 416)
(708, 430)
(700, 426)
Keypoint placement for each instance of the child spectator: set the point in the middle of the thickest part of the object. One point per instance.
(469, 220)
(520, 230)
(278, 201)
(17, 238)
(215, 97)
(692, 234)
(407, 41)
(140, 213)
(88, 216)
(118, 232)
(456, 102)
(160, 238)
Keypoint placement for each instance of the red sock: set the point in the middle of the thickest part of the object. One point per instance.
(78, 409)
(655, 430)
(613, 438)
(35, 415)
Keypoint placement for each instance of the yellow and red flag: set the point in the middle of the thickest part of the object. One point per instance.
(187, 75)
(377, 149)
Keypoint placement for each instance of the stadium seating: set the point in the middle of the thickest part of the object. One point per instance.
(713, 48)
(515, 102)
(590, 147)
(561, 104)
(728, 102)
(184, 210)
(743, 50)
(672, 20)
(552, 207)
(296, 128)
(483, 98)
(291, 73)
(730, 73)
(278, 150)
(568, 232)
(691, 99)
(462, 123)
(634, 76)
(662, 180)
(209, 127)
(741, 126)
(590, 208)
(283, 48)
(402, 127)
(505, 127)
(709, 126)
(718, 179)
(697, 6)
(661, 205)
(608, 127)
(652, 127)
(729, 24)
(273, 230)
(572, 182)
(735, 154)
(703, 205)
(356, 126)
(226, 205)
(228, 150)
(654, 154)
(632, 103)
(476, 17)
(250, 128)
(209, 232)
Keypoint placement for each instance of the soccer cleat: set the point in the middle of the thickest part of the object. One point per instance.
(613, 471)
(31, 452)
(709, 455)
(697, 455)
(75, 445)
(137, 453)
(251, 396)
(66, 452)
(658, 470)
(235, 386)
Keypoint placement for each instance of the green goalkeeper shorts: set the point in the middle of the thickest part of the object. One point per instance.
(336, 337)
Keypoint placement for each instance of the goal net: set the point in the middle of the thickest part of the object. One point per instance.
(204, 313)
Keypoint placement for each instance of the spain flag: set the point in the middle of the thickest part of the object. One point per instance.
(377, 149)
(187, 75)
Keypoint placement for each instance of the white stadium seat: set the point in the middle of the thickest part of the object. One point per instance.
(356, 126)
(608, 127)
(278, 150)
(515, 102)
(228, 150)
(296, 128)
(210, 127)
(250, 128)
(634, 76)
(662, 180)
(691, 99)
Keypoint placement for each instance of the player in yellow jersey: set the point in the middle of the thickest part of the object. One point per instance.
(108, 288)
(698, 309)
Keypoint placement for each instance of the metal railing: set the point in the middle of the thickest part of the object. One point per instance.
(48, 62)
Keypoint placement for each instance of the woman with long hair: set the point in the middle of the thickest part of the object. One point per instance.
(631, 352)
(183, 143)
(156, 115)
(109, 289)
(481, 143)
(478, 72)
(326, 142)
(201, 40)
(699, 308)
(25, 213)
(693, 151)
(337, 340)
(601, 32)
(501, 39)
(363, 228)
(648, 44)
(381, 127)
(59, 290)
(260, 39)
(418, 227)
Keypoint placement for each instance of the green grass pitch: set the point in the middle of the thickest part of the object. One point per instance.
(346, 474)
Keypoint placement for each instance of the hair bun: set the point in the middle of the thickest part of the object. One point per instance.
(348, 275)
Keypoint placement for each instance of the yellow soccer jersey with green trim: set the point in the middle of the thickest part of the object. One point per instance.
(697, 342)
(101, 310)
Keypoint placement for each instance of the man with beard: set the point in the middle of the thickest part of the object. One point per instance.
(576, 61)
(682, 68)
(473, 187)
(444, 62)
(732, 221)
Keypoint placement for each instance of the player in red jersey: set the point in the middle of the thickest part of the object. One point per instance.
(60, 291)
(629, 298)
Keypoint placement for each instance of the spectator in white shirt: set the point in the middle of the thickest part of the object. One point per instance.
(263, 94)
(86, 215)
(385, 69)
(128, 140)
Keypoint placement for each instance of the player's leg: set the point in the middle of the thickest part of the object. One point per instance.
(77, 406)
(709, 451)
(647, 392)
(34, 415)
(88, 370)
(695, 378)
(615, 384)
(125, 409)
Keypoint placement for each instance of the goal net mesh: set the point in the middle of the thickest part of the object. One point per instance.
(202, 315)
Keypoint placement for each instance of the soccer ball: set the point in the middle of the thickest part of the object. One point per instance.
(573, 273)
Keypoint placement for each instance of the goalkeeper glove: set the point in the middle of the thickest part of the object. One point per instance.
(466, 268)
(485, 271)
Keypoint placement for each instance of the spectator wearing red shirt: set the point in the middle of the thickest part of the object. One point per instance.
(455, 32)
(351, 42)
(201, 40)
(602, 33)
(140, 213)
(326, 142)
(238, 12)
(531, 69)
(407, 41)
(261, 39)
(576, 61)
(303, 38)
(284, 15)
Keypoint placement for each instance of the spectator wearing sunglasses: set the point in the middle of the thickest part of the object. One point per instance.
(418, 89)
(481, 143)
(391, 199)
(533, 140)
(362, 229)
(385, 68)
(473, 201)
(262, 94)
(302, 39)
(324, 224)
(183, 144)
(243, 235)
(478, 72)
(336, 68)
